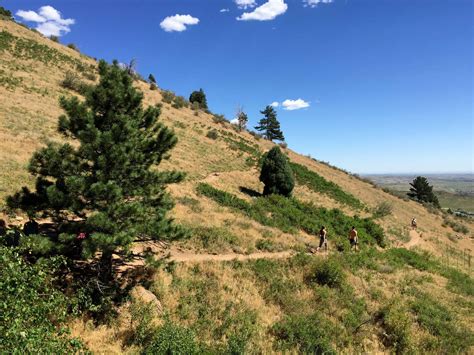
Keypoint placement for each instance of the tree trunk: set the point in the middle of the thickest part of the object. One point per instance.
(105, 266)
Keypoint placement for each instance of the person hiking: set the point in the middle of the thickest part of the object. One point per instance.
(413, 223)
(323, 239)
(353, 238)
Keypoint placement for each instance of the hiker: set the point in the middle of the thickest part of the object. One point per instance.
(323, 239)
(353, 238)
(413, 223)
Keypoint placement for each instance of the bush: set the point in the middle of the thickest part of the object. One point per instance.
(455, 226)
(153, 87)
(73, 47)
(168, 96)
(276, 174)
(439, 322)
(289, 215)
(72, 82)
(31, 308)
(328, 273)
(307, 334)
(54, 38)
(317, 183)
(383, 209)
(212, 134)
(396, 322)
(195, 106)
(141, 323)
(220, 119)
(179, 102)
(172, 339)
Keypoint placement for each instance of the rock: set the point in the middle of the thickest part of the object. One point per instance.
(141, 294)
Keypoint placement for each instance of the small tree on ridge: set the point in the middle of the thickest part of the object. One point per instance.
(269, 125)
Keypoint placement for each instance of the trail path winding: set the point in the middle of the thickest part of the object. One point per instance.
(415, 239)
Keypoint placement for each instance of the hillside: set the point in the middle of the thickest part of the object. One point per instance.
(244, 281)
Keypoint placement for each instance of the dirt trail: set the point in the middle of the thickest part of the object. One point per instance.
(192, 257)
(415, 239)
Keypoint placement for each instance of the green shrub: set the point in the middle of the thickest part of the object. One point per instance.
(220, 119)
(172, 339)
(73, 47)
(309, 334)
(168, 96)
(212, 134)
(72, 82)
(179, 102)
(328, 273)
(397, 326)
(214, 239)
(455, 226)
(383, 209)
(317, 183)
(32, 311)
(276, 174)
(289, 215)
(449, 338)
(153, 87)
(141, 323)
(268, 245)
(54, 38)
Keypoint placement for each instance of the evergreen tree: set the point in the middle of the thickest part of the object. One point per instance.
(152, 79)
(104, 192)
(422, 191)
(276, 174)
(269, 125)
(200, 98)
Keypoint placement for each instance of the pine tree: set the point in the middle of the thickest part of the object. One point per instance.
(200, 98)
(276, 174)
(422, 191)
(152, 79)
(269, 125)
(106, 188)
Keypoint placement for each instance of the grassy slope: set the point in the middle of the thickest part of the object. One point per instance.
(28, 115)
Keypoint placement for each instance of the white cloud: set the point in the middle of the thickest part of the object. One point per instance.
(224, 10)
(50, 21)
(235, 121)
(244, 4)
(178, 23)
(314, 3)
(30, 16)
(291, 105)
(265, 12)
(275, 104)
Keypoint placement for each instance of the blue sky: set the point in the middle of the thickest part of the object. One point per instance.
(389, 83)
